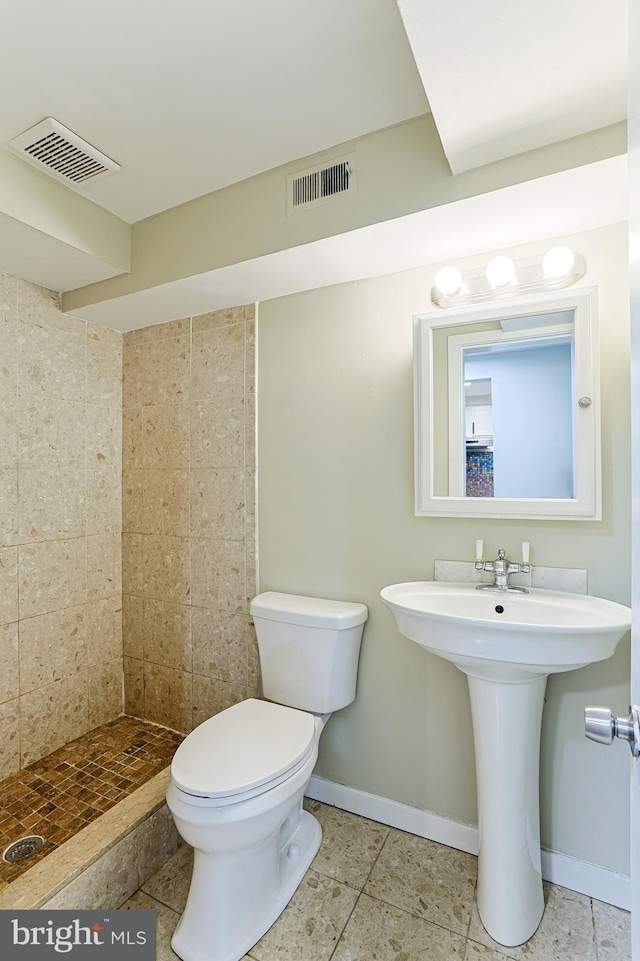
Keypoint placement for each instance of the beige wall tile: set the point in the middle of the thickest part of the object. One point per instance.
(106, 336)
(169, 329)
(8, 372)
(218, 503)
(104, 438)
(8, 584)
(133, 571)
(253, 666)
(188, 514)
(104, 367)
(105, 692)
(8, 506)
(250, 536)
(52, 505)
(9, 675)
(251, 577)
(52, 362)
(48, 503)
(250, 350)
(131, 372)
(218, 318)
(221, 644)
(166, 568)
(167, 634)
(136, 338)
(8, 334)
(103, 620)
(250, 440)
(216, 433)
(165, 502)
(52, 646)
(217, 370)
(167, 697)
(210, 696)
(104, 501)
(10, 740)
(36, 305)
(53, 575)
(218, 571)
(53, 436)
(134, 687)
(104, 565)
(165, 437)
(165, 370)
(8, 429)
(52, 715)
(132, 438)
(133, 626)
(132, 501)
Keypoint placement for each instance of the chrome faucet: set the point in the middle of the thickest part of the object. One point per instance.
(502, 569)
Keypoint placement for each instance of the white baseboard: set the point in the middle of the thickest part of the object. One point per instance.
(568, 872)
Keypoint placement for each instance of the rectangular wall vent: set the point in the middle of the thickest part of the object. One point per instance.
(318, 185)
(61, 153)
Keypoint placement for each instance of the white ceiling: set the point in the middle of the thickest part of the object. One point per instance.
(189, 97)
(192, 97)
(504, 77)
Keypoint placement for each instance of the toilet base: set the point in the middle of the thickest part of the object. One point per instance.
(272, 880)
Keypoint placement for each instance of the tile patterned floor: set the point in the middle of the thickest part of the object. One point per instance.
(377, 894)
(60, 794)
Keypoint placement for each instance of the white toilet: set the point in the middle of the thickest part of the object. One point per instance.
(238, 780)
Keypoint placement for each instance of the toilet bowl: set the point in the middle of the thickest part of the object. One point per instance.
(238, 780)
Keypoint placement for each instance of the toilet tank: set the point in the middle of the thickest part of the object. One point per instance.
(309, 649)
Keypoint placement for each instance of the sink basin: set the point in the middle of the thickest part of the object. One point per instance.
(507, 645)
(505, 636)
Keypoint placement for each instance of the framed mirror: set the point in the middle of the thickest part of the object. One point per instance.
(507, 409)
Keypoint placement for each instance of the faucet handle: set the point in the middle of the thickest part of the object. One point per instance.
(525, 552)
(479, 549)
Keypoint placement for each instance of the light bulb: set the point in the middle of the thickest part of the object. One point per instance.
(500, 271)
(448, 281)
(558, 262)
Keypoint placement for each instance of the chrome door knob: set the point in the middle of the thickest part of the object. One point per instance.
(602, 726)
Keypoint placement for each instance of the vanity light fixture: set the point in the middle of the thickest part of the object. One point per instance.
(500, 271)
(449, 280)
(503, 277)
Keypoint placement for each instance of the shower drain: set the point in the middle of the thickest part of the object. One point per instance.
(22, 849)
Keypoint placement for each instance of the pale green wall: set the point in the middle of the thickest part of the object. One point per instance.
(336, 519)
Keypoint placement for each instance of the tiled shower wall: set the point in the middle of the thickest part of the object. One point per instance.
(188, 517)
(60, 525)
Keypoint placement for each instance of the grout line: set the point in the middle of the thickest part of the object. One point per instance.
(593, 925)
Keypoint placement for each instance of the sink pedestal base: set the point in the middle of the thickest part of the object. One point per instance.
(507, 717)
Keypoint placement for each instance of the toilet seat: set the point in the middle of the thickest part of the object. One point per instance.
(243, 751)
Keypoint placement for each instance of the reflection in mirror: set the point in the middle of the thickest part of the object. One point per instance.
(499, 430)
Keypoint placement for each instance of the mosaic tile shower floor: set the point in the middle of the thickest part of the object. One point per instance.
(374, 893)
(61, 793)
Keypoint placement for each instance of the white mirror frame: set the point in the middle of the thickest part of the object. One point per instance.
(586, 505)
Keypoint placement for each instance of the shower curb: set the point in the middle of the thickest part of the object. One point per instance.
(107, 861)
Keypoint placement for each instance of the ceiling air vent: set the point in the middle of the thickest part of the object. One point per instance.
(58, 151)
(318, 185)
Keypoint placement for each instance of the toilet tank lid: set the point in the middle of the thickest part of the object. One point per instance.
(308, 611)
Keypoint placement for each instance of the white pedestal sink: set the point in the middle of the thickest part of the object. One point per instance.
(507, 645)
